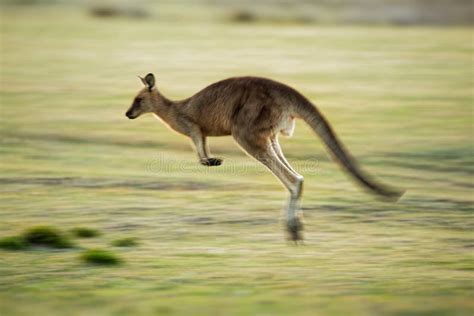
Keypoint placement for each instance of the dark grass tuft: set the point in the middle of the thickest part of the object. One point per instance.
(100, 257)
(244, 16)
(111, 11)
(84, 232)
(125, 242)
(13, 243)
(47, 236)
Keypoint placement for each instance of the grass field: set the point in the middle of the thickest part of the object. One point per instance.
(210, 240)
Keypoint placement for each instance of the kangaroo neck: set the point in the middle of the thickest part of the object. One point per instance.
(163, 107)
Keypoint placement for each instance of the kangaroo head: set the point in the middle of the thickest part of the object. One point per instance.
(147, 100)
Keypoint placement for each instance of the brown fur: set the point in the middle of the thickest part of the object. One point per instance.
(254, 111)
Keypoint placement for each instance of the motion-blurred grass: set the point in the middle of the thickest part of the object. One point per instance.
(211, 240)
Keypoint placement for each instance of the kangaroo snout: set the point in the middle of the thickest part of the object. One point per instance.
(129, 115)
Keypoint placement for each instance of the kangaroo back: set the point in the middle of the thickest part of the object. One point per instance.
(308, 112)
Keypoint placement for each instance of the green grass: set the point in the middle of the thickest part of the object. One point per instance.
(13, 243)
(125, 242)
(85, 232)
(44, 236)
(47, 236)
(100, 257)
(211, 239)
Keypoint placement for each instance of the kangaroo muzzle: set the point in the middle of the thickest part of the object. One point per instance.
(130, 115)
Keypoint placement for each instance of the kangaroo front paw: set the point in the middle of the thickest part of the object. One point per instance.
(294, 229)
(210, 162)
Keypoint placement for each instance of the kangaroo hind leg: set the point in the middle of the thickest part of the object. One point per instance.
(262, 150)
(289, 127)
(279, 152)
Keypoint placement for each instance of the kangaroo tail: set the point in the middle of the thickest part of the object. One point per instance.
(308, 112)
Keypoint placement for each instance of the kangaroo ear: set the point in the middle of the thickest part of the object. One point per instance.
(142, 80)
(150, 81)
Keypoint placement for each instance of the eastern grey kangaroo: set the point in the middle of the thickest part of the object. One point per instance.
(253, 110)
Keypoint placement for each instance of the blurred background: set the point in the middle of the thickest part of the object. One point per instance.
(394, 77)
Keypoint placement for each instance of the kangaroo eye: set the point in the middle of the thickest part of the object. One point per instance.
(138, 100)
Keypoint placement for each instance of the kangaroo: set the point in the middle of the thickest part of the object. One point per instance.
(254, 111)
